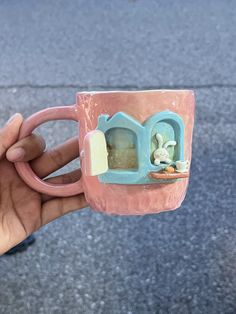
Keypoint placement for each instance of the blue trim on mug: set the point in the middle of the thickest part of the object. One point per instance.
(143, 133)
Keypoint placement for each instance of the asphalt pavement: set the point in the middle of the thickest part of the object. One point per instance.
(90, 263)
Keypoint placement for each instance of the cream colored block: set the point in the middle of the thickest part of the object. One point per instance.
(95, 153)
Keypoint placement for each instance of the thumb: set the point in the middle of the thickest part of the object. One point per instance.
(10, 132)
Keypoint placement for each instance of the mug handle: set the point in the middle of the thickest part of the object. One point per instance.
(23, 168)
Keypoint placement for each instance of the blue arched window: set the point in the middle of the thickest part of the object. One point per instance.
(130, 145)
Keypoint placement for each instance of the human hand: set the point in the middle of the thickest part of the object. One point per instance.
(23, 210)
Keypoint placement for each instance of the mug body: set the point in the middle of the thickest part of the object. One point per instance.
(144, 132)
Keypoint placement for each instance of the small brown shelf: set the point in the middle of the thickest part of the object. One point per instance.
(168, 176)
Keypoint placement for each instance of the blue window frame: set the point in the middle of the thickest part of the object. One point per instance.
(168, 123)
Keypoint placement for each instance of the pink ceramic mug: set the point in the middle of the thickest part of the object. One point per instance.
(129, 144)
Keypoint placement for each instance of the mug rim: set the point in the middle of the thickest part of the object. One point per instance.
(95, 92)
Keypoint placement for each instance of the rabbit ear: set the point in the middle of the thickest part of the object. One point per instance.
(169, 143)
(159, 139)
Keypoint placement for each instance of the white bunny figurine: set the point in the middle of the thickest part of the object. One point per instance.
(161, 154)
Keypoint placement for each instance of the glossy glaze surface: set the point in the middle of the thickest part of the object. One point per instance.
(135, 199)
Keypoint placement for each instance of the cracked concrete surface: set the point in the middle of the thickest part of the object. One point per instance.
(86, 262)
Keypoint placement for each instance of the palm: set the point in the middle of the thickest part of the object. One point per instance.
(20, 206)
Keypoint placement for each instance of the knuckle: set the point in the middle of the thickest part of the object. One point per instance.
(61, 207)
(37, 140)
(66, 178)
(40, 141)
(57, 157)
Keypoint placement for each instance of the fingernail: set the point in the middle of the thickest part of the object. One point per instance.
(15, 154)
(13, 118)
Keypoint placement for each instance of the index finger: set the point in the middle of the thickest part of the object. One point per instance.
(56, 158)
